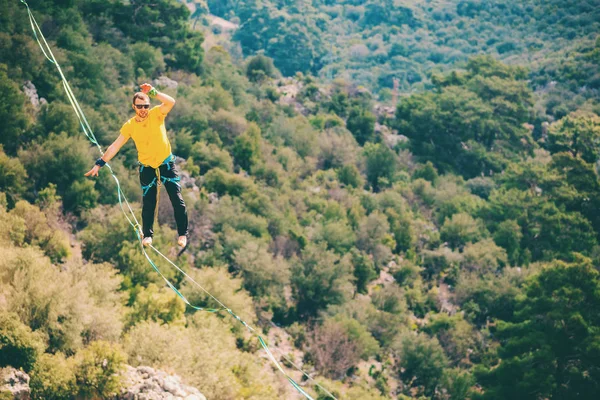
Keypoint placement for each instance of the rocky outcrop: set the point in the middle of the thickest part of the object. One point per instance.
(145, 383)
(31, 93)
(165, 82)
(14, 382)
(141, 383)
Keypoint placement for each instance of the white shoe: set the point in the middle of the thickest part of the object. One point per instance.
(147, 241)
(182, 241)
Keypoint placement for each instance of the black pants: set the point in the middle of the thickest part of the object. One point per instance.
(170, 179)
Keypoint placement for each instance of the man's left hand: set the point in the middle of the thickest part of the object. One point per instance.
(145, 87)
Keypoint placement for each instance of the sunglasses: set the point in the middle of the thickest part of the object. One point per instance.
(140, 106)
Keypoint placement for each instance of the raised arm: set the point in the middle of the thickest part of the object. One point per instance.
(112, 151)
(167, 101)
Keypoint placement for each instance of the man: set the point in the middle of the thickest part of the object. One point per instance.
(157, 167)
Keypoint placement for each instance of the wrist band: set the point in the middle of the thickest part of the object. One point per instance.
(100, 162)
(152, 92)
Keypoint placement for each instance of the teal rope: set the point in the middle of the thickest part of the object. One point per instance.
(87, 130)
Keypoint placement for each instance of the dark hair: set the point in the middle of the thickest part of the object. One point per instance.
(140, 95)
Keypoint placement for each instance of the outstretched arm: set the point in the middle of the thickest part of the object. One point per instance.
(112, 151)
(167, 101)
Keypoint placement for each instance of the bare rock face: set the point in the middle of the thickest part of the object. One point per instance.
(15, 382)
(165, 82)
(31, 93)
(145, 383)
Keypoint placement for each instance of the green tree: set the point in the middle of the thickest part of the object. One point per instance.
(460, 230)
(148, 59)
(58, 117)
(579, 186)
(41, 231)
(296, 50)
(264, 275)
(508, 236)
(548, 230)
(156, 304)
(381, 165)
(188, 53)
(246, 149)
(338, 235)
(260, 68)
(13, 177)
(461, 125)
(320, 278)
(578, 134)
(12, 112)
(426, 171)
(364, 270)
(550, 348)
(209, 156)
(350, 175)
(19, 346)
(361, 123)
(60, 160)
(375, 239)
(53, 378)
(98, 368)
(422, 363)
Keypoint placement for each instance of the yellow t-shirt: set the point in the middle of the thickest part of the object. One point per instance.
(150, 137)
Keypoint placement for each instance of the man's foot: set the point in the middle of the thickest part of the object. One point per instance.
(182, 241)
(147, 241)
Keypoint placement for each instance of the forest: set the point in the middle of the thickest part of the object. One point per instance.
(445, 246)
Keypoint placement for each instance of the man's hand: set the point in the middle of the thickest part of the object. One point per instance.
(93, 171)
(145, 87)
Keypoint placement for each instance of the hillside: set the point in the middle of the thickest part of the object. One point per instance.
(371, 43)
(446, 248)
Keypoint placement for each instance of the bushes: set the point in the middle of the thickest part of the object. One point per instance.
(228, 125)
(60, 160)
(264, 275)
(39, 231)
(319, 279)
(260, 68)
(13, 177)
(215, 366)
(53, 378)
(333, 349)
(422, 363)
(381, 165)
(222, 183)
(460, 230)
(210, 156)
(94, 372)
(12, 112)
(19, 346)
(98, 368)
(69, 308)
(156, 304)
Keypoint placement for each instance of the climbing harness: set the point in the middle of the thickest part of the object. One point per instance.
(159, 178)
(131, 218)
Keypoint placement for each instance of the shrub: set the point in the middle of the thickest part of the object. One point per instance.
(98, 369)
(19, 346)
(53, 378)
